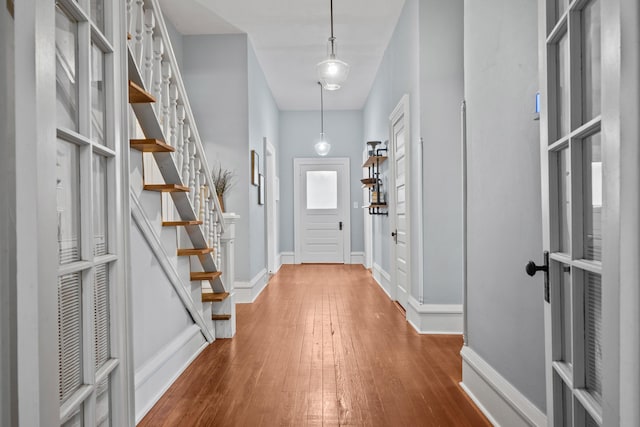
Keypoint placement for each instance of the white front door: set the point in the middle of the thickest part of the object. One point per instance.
(573, 196)
(399, 138)
(322, 231)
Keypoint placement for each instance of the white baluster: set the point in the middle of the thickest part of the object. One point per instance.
(197, 194)
(203, 197)
(186, 154)
(217, 238)
(138, 33)
(129, 17)
(173, 115)
(206, 213)
(179, 137)
(156, 87)
(147, 65)
(166, 101)
(192, 174)
(212, 213)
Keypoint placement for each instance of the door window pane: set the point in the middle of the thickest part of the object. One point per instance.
(561, 7)
(322, 189)
(103, 404)
(68, 201)
(97, 13)
(567, 405)
(591, 56)
(66, 71)
(69, 334)
(101, 314)
(100, 205)
(98, 103)
(564, 201)
(563, 92)
(592, 170)
(593, 334)
(566, 314)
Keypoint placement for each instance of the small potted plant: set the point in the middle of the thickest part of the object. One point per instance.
(223, 181)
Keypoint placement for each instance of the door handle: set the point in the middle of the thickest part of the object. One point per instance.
(340, 225)
(394, 234)
(531, 268)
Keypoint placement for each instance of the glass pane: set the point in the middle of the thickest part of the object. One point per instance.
(591, 46)
(77, 420)
(561, 7)
(593, 334)
(592, 170)
(99, 205)
(564, 201)
(103, 404)
(98, 104)
(322, 189)
(567, 405)
(68, 202)
(66, 71)
(563, 87)
(566, 318)
(69, 334)
(101, 314)
(97, 13)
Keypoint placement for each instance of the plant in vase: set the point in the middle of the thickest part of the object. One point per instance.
(223, 181)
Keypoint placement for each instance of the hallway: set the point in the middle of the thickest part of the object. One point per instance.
(322, 345)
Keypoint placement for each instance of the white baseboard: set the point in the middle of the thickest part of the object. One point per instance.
(434, 318)
(501, 402)
(247, 292)
(157, 374)
(287, 258)
(278, 263)
(383, 279)
(357, 258)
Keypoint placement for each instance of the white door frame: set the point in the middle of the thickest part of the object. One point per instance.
(271, 206)
(400, 111)
(297, 212)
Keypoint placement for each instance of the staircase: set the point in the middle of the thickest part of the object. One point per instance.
(175, 167)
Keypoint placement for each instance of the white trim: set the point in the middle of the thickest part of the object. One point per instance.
(287, 258)
(341, 162)
(501, 402)
(152, 239)
(434, 318)
(271, 209)
(247, 292)
(157, 374)
(357, 258)
(383, 279)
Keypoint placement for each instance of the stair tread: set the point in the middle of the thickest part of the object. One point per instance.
(151, 145)
(194, 251)
(205, 275)
(166, 188)
(214, 296)
(180, 223)
(220, 317)
(137, 95)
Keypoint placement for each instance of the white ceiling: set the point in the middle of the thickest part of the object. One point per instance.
(290, 38)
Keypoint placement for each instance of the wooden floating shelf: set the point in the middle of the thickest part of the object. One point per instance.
(190, 252)
(220, 317)
(376, 205)
(205, 275)
(151, 146)
(180, 223)
(166, 188)
(373, 160)
(214, 296)
(137, 95)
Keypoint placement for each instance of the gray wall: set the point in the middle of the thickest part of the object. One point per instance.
(215, 72)
(8, 385)
(176, 42)
(263, 122)
(299, 130)
(441, 93)
(505, 307)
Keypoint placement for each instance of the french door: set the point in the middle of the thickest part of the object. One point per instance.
(87, 193)
(573, 200)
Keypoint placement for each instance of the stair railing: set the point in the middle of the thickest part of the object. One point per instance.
(156, 61)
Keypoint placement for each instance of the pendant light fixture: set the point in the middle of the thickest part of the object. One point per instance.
(322, 147)
(332, 72)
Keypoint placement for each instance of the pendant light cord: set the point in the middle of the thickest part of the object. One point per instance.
(321, 110)
(332, 39)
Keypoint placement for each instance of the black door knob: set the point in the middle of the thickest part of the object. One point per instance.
(531, 268)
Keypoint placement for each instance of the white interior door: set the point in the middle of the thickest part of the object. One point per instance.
(572, 176)
(399, 138)
(271, 208)
(322, 210)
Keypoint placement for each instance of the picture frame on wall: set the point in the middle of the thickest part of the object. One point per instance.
(255, 168)
(261, 190)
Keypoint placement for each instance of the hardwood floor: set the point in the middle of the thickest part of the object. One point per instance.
(322, 345)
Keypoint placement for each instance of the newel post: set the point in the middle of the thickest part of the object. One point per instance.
(228, 250)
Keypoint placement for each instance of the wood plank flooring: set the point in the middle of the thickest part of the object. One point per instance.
(322, 345)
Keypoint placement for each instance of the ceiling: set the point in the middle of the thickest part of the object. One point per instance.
(290, 38)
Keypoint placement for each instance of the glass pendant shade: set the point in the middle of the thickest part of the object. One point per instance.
(322, 147)
(332, 72)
